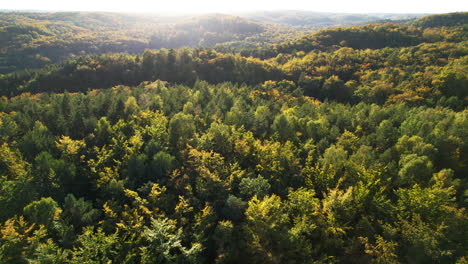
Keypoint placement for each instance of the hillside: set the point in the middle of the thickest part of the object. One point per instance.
(445, 20)
(346, 145)
(360, 55)
(33, 40)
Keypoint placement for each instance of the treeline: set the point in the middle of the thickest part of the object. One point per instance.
(427, 74)
(103, 71)
(229, 174)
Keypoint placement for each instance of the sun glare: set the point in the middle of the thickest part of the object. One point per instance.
(210, 6)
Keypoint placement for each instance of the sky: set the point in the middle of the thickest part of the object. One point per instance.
(233, 6)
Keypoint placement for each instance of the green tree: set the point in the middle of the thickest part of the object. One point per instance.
(266, 229)
(250, 187)
(181, 130)
(43, 212)
(165, 244)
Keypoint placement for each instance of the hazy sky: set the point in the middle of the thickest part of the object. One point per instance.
(208, 6)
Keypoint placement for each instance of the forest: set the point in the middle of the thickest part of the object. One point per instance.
(33, 40)
(267, 143)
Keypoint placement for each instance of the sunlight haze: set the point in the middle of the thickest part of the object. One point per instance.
(209, 6)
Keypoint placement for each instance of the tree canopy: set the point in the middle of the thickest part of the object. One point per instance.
(346, 146)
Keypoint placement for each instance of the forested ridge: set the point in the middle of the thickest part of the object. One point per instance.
(347, 145)
(33, 40)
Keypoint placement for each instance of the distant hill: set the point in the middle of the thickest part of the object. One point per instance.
(387, 41)
(443, 20)
(319, 20)
(32, 40)
(380, 35)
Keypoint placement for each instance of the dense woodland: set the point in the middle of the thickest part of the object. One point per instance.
(348, 145)
(33, 40)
